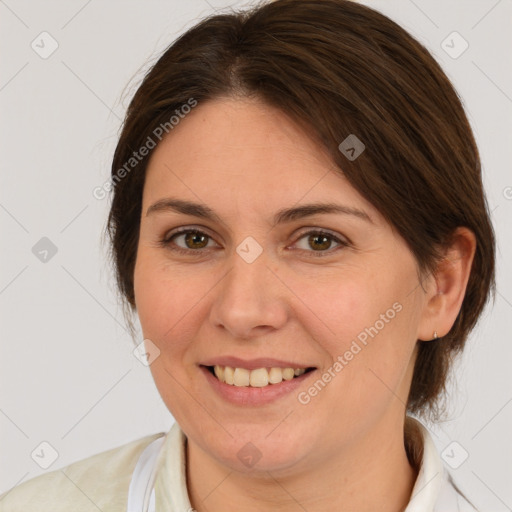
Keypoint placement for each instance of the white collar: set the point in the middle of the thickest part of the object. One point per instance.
(433, 490)
(431, 476)
(171, 482)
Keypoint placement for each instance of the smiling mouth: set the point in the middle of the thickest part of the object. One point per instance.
(258, 378)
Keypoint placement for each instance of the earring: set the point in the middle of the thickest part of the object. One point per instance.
(435, 335)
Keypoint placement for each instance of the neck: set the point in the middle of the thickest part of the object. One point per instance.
(374, 473)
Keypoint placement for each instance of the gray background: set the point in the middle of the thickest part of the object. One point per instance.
(67, 373)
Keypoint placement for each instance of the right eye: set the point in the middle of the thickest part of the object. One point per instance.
(193, 239)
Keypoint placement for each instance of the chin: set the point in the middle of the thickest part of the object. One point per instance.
(253, 450)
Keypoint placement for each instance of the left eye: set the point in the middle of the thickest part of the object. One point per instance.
(321, 240)
(196, 240)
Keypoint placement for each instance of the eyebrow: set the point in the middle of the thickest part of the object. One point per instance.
(282, 216)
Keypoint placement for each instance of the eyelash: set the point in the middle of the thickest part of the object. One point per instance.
(166, 242)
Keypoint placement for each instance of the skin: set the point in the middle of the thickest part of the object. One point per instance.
(343, 450)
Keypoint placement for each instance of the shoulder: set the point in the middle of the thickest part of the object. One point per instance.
(99, 482)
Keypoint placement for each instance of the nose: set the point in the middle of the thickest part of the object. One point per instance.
(250, 299)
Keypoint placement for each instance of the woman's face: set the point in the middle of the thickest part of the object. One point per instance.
(257, 288)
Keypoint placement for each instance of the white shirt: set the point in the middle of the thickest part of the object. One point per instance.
(154, 468)
(434, 489)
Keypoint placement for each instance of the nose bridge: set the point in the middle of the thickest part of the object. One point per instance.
(249, 296)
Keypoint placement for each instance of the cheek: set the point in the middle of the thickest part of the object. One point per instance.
(165, 300)
(368, 331)
(163, 293)
(342, 306)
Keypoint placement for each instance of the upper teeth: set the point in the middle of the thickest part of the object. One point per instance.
(255, 378)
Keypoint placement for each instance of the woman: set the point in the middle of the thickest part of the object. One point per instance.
(299, 222)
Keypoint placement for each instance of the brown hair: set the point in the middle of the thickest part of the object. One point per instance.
(337, 68)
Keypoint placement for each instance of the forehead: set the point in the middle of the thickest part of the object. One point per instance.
(247, 154)
(234, 133)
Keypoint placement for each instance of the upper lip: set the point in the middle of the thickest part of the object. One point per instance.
(253, 364)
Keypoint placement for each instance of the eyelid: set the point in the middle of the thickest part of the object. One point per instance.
(341, 240)
(303, 231)
(323, 231)
(186, 229)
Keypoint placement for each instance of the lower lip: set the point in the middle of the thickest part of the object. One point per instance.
(246, 395)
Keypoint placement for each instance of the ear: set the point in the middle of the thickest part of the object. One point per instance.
(446, 286)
